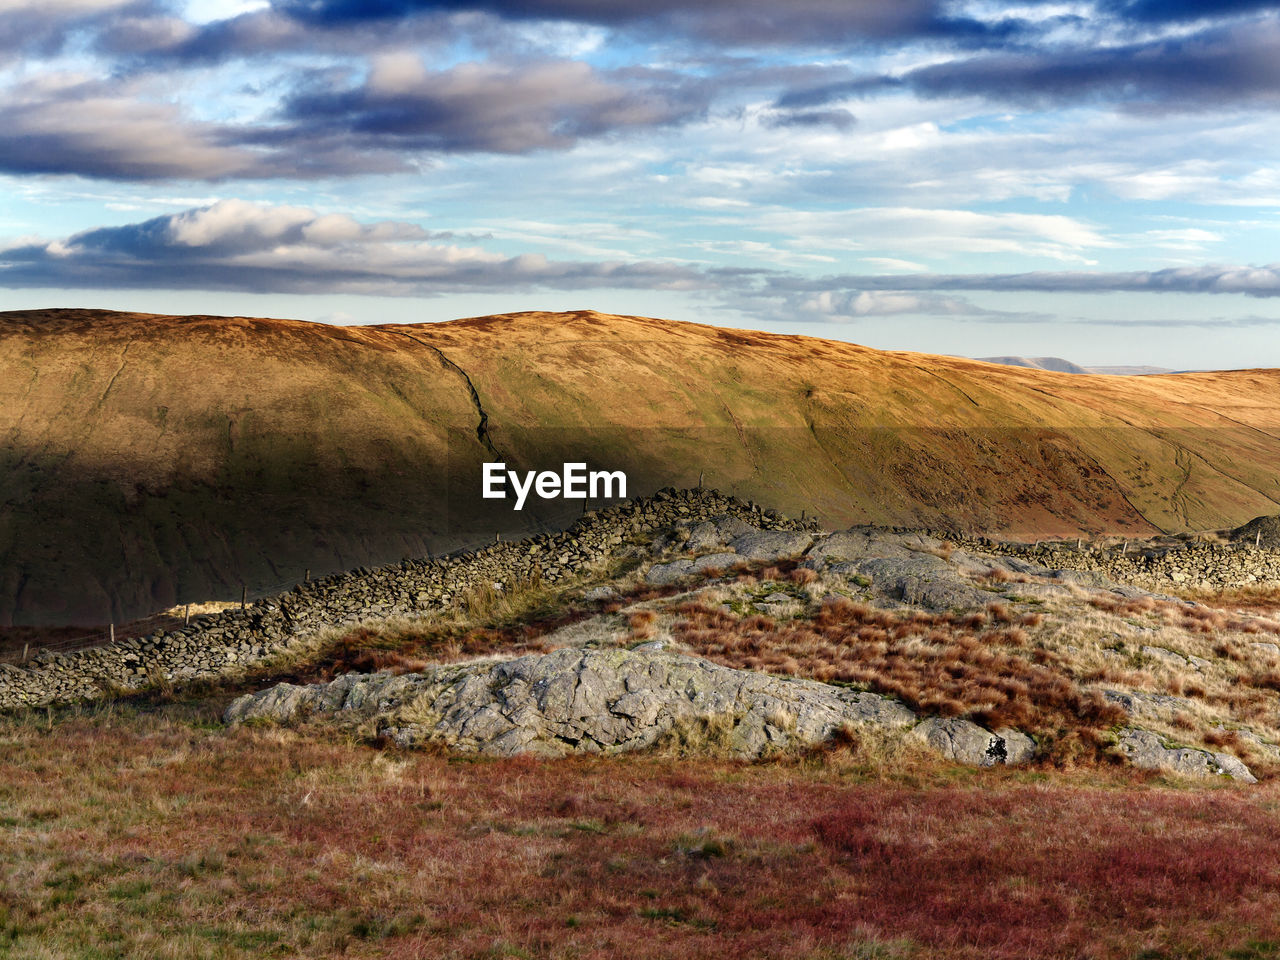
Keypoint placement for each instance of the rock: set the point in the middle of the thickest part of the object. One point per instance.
(661, 574)
(966, 742)
(1018, 747)
(857, 543)
(1147, 751)
(942, 593)
(1267, 649)
(717, 532)
(771, 544)
(1165, 656)
(715, 561)
(603, 592)
(1159, 706)
(575, 700)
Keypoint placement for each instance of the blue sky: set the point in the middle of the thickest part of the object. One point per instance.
(1094, 180)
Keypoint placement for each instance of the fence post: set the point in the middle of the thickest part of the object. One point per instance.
(1257, 541)
(244, 596)
(26, 648)
(112, 633)
(307, 576)
(186, 615)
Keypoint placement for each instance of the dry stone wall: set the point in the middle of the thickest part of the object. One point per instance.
(230, 642)
(1204, 565)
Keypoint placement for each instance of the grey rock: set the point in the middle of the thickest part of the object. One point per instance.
(966, 742)
(1018, 747)
(661, 574)
(941, 593)
(715, 561)
(602, 592)
(1165, 655)
(771, 544)
(1147, 751)
(576, 700)
(717, 532)
(1267, 649)
(858, 543)
(1159, 706)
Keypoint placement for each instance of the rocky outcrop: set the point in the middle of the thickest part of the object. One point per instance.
(278, 626)
(1146, 750)
(613, 700)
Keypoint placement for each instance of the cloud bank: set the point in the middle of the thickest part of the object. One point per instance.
(235, 245)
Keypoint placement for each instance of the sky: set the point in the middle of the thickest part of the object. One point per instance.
(1098, 181)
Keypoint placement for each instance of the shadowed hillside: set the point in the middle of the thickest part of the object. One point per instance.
(151, 460)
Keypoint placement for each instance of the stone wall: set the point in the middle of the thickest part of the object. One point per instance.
(226, 644)
(1194, 564)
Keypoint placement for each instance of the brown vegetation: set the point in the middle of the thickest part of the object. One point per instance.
(976, 665)
(161, 835)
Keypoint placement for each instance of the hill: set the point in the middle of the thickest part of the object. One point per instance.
(150, 460)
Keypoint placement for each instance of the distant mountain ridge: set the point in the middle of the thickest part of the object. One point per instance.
(1059, 365)
(151, 460)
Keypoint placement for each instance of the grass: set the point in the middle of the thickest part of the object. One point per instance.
(152, 834)
(143, 828)
(975, 664)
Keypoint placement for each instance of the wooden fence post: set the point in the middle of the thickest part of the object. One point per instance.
(244, 596)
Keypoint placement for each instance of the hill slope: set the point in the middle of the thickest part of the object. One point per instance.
(147, 460)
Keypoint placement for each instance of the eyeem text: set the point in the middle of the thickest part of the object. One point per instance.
(573, 482)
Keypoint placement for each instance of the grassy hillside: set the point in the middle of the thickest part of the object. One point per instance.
(149, 460)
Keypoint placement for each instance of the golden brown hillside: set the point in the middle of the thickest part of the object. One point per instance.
(149, 460)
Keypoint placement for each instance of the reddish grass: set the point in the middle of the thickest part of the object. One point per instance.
(252, 843)
(950, 664)
(1207, 619)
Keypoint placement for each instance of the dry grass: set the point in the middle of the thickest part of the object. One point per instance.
(976, 665)
(163, 836)
(1198, 618)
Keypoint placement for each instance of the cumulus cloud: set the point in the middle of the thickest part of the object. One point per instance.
(60, 124)
(1233, 62)
(755, 22)
(486, 107)
(43, 27)
(70, 124)
(236, 245)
